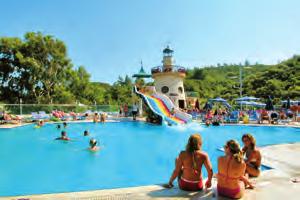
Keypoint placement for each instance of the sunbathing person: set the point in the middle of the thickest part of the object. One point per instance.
(63, 136)
(102, 117)
(189, 164)
(282, 115)
(11, 118)
(96, 118)
(253, 156)
(264, 115)
(274, 118)
(231, 172)
(93, 145)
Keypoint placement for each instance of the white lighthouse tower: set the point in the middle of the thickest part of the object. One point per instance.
(169, 79)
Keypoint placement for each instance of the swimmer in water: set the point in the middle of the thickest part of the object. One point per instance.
(58, 126)
(93, 145)
(86, 133)
(40, 123)
(65, 124)
(63, 136)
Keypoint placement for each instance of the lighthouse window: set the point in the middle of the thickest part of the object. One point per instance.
(164, 89)
(180, 90)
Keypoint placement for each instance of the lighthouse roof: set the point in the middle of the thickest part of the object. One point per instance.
(168, 50)
(142, 74)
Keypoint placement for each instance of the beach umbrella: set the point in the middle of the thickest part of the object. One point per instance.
(247, 99)
(218, 99)
(227, 104)
(269, 104)
(257, 104)
(247, 103)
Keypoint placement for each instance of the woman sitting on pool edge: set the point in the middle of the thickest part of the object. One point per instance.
(231, 172)
(189, 164)
(63, 136)
(93, 145)
(253, 156)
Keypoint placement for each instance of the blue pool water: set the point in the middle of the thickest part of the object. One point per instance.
(132, 154)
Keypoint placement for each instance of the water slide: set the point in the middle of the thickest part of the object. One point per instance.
(161, 105)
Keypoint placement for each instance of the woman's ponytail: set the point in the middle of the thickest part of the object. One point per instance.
(235, 150)
(238, 157)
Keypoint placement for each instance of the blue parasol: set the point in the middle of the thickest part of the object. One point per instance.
(218, 99)
(247, 99)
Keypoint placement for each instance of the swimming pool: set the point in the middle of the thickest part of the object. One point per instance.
(132, 154)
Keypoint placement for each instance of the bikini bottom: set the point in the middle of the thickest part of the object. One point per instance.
(231, 193)
(188, 185)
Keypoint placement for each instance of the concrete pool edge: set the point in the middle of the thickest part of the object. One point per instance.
(272, 184)
(129, 119)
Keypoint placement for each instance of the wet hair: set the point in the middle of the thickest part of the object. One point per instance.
(194, 143)
(250, 138)
(93, 142)
(85, 133)
(235, 150)
(58, 126)
(65, 124)
(63, 133)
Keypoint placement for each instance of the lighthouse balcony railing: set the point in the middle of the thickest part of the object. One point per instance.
(173, 68)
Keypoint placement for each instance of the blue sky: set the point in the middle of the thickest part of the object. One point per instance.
(111, 37)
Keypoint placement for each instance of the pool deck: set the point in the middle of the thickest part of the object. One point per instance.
(276, 183)
(122, 119)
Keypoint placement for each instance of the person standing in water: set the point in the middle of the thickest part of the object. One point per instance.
(63, 136)
(93, 145)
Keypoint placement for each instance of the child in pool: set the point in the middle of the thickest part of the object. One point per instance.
(93, 145)
(65, 124)
(63, 136)
(86, 133)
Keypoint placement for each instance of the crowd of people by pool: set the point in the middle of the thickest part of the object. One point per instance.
(259, 116)
(234, 168)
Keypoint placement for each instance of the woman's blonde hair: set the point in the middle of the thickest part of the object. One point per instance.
(250, 138)
(235, 150)
(194, 143)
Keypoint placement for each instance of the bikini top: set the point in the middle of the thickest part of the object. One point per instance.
(227, 170)
(194, 166)
(253, 160)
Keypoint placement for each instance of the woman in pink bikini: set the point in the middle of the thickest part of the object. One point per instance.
(231, 172)
(189, 164)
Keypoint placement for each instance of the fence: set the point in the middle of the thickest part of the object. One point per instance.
(23, 109)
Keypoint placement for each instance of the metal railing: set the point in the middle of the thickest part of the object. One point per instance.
(24, 109)
(174, 68)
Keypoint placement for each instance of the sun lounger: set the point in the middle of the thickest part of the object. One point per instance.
(43, 115)
(233, 117)
(254, 117)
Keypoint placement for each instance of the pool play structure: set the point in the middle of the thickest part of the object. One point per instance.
(167, 97)
(162, 106)
(132, 154)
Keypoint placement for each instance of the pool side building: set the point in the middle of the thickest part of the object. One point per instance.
(169, 79)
